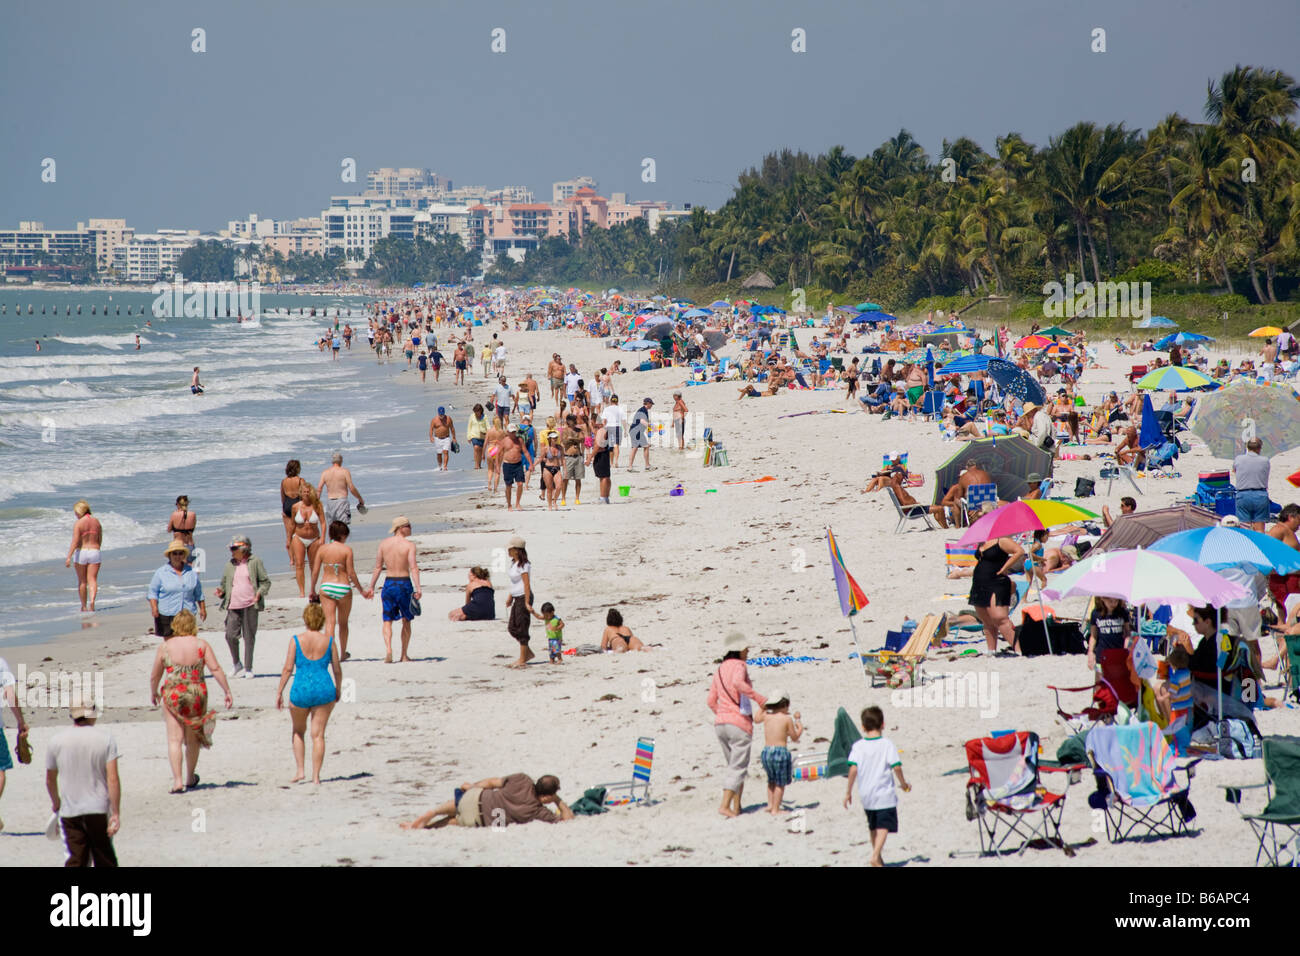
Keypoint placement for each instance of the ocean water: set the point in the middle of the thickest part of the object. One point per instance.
(89, 416)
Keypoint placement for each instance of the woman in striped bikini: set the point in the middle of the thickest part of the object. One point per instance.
(333, 567)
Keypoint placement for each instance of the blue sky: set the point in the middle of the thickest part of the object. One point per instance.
(141, 127)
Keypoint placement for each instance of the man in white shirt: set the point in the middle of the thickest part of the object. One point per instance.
(613, 418)
(571, 380)
(84, 787)
(499, 359)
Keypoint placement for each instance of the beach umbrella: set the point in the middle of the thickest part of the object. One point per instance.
(1264, 331)
(638, 345)
(1144, 577)
(1176, 378)
(1021, 516)
(715, 339)
(1218, 547)
(845, 308)
(1055, 330)
(1016, 381)
(720, 304)
(1156, 322)
(1141, 529)
(965, 364)
(1181, 338)
(697, 313)
(1009, 461)
(1150, 435)
(1033, 342)
(867, 307)
(659, 298)
(1228, 418)
(1057, 350)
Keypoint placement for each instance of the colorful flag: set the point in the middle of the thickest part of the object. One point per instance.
(852, 598)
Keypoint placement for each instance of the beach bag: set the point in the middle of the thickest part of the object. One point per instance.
(1237, 741)
(1084, 487)
(455, 447)
(23, 749)
(1067, 637)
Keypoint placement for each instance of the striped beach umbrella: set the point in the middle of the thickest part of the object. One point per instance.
(1175, 378)
(1033, 342)
(1144, 577)
(1021, 516)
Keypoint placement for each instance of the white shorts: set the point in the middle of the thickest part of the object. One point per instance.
(86, 556)
(441, 445)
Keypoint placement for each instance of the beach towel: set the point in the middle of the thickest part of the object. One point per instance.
(846, 735)
(1138, 760)
(590, 803)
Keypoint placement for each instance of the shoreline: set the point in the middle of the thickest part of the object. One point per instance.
(684, 571)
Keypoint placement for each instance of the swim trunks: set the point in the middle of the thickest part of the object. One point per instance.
(441, 445)
(338, 509)
(397, 599)
(513, 472)
(776, 761)
(86, 556)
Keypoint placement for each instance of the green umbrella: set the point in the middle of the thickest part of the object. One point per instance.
(1010, 461)
(867, 307)
(1228, 418)
(846, 735)
(1054, 330)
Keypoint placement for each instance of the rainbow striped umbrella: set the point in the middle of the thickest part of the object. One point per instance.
(1144, 577)
(1021, 516)
(852, 598)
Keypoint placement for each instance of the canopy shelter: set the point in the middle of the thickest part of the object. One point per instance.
(1226, 419)
(1009, 461)
(1142, 529)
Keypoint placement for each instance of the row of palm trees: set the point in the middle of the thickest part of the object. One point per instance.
(1215, 200)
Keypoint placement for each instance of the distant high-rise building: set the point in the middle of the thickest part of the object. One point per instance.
(390, 181)
(563, 190)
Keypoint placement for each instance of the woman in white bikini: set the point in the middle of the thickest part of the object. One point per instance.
(338, 579)
(83, 553)
(308, 520)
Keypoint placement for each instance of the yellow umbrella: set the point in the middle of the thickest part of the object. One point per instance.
(1264, 331)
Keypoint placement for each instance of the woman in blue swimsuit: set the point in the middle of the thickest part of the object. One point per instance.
(309, 660)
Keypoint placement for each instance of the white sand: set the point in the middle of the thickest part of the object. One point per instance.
(685, 571)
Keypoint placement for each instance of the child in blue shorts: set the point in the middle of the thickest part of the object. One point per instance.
(779, 728)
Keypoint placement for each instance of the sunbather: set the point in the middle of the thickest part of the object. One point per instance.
(939, 512)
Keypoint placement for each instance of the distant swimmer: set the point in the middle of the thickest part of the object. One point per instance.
(196, 388)
(137, 343)
(83, 554)
(38, 345)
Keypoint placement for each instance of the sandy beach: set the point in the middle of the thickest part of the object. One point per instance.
(685, 570)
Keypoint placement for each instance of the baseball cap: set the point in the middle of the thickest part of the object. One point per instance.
(401, 521)
(648, 401)
(513, 428)
(442, 410)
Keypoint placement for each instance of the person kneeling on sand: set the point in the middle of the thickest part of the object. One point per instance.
(497, 802)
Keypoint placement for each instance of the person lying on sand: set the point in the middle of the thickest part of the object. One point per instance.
(497, 802)
(617, 636)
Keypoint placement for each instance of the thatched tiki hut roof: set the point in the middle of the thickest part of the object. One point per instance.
(759, 280)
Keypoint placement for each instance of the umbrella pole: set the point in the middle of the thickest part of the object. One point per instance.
(1042, 613)
(1218, 669)
(861, 660)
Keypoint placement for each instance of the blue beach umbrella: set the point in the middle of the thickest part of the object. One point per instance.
(719, 304)
(1156, 322)
(697, 313)
(966, 364)
(1150, 435)
(638, 345)
(1217, 547)
(1016, 381)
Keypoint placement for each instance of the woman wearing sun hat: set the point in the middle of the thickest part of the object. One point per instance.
(520, 600)
(175, 587)
(732, 699)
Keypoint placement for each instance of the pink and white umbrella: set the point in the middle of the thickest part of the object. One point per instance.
(1145, 577)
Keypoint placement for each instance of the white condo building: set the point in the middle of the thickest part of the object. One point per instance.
(148, 257)
(563, 190)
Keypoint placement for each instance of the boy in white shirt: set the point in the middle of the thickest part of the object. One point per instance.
(874, 765)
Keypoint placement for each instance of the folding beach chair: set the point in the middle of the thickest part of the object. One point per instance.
(1113, 686)
(1136, 372)
(1112, 471)
(916, 512)
(976, 497)
(624, 792)
(902, 647)
(1281, 771)
(1005, 796)
(956, 557)
(1137, 788)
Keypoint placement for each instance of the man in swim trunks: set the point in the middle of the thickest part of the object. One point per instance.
(512, 453)
(461, 358)
(571, 443)
(196, 387)
(396, 557)
(555, 372)
(442, 432)
(530, 385)
(336, 482)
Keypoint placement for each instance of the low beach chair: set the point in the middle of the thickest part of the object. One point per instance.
(625, 791)
(916, 512)
(1005, 796)
(1137, 787)
(957, 558)
(1282, 812)
(909, 650)
(976, 497)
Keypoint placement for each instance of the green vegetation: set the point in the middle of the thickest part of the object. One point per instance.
(1193, 208)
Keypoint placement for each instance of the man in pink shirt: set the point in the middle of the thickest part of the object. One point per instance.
(243, 594)
(732, 699)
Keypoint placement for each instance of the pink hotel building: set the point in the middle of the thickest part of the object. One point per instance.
(520, 225)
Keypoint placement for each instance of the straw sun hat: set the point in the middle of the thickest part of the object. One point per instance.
(735, 641)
